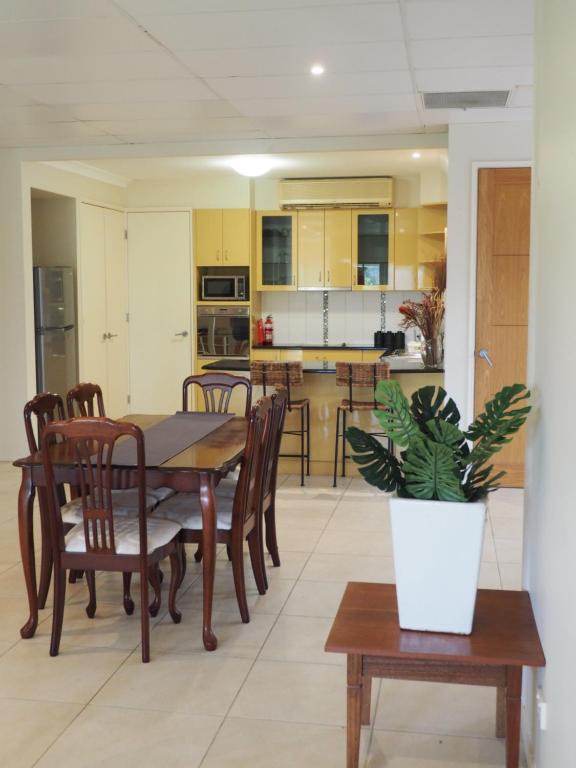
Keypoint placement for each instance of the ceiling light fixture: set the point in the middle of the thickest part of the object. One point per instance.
(416, 155)
(317, 70)
(251, 165)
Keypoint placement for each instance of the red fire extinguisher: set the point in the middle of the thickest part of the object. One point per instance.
(268, 330)
(260, 332)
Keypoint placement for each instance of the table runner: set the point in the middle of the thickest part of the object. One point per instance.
(170, 437)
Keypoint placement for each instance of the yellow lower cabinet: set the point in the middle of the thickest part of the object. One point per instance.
(371, 355)
(333, 355)
(272, 355)
(290, 355)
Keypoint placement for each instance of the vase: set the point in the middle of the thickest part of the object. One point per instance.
(437, 548)
(432, 351)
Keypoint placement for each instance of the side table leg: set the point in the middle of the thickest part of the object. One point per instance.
(513, 696)
(354, 710)
(366, 699)
(500, 713)
(26, 534)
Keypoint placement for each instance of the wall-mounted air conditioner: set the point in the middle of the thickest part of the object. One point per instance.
(362, 192)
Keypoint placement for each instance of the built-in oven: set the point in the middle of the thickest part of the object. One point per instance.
(223, 288)
(223, 331)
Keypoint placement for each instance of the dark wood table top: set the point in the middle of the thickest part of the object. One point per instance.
(504, 631)
(216, 451)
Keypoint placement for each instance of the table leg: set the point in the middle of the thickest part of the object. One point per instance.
(354, 710)
(366, 699)
(26, 534)
(513, 696)
(207, 502)
(500, 713)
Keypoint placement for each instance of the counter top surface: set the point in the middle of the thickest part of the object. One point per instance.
(398, 364)
(362, 347)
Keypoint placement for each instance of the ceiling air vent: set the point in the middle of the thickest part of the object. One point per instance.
(465, 99)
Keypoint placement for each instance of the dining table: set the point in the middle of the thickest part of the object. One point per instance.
(197, 468)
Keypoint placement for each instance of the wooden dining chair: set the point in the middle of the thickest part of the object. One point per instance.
(238, 518)
(44, 409)
(104, 540)
(227, 487)
(85, 399)
(217, 389)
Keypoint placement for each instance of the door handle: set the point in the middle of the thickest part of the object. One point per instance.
(182, 333)
(484, 354)
(111, 335)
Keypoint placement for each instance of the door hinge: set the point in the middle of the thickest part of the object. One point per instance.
(125, 234)
(128, 399)
(127, 317)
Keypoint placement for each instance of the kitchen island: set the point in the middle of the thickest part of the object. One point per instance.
(320, 387)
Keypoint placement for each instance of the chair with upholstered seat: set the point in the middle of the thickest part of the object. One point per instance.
(104, 540)
(238, 517)
(286, 376)
(217, 389)
(352, 376)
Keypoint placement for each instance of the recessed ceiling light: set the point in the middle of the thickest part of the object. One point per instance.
(317, 70)
(416, 155)
(251, 165)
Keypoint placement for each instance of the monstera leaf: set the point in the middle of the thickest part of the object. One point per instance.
(376, 464)
(433, 403)
(397, 421)
(493, 428)
(480, 481)
(431, 472)
(445, 433)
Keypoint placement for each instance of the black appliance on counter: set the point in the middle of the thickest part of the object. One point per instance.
(390, 342)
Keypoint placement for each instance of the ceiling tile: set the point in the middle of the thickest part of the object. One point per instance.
(296, 60)
(60, 141)
(309, 26)
(50, 130)
(22, 10)
(473, 79)
(328, 105)
(72, 37)
(154, 7)
(107, 92)
(206, 127)
(9, 97)
(468, 18)
(308, 87)
(347, 125)
(75, 69)
(506, 51)
(35, 114)
(177, 110)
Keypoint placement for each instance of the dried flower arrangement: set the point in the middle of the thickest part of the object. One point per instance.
(427, 315)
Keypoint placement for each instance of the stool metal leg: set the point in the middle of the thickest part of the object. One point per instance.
(343, 443)
(302, 446)
(336, 444)
(308, 439)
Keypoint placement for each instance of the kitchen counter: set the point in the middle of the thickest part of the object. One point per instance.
(343, 347)
(398, 364)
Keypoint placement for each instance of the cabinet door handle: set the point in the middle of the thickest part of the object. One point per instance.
(218, 255)
(225, 255)
(328, 277)
(320, 276)
(182, 333)
(293, 279)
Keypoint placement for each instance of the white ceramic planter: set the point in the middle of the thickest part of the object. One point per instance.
(437, 553)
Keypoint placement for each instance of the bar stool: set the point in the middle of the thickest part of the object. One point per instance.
(357, 375)
(284, 376)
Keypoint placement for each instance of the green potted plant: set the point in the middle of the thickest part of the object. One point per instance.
(440, 479)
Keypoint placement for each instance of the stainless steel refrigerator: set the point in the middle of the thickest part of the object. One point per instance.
(55, 320)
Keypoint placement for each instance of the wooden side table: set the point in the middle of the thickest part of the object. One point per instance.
(504, 639)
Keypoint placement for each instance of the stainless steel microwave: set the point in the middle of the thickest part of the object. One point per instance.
(223, 288)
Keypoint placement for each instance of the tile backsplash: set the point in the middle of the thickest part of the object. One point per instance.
(353, 316)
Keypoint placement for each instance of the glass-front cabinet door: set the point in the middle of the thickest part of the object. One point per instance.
(276, 251)
(372, 250)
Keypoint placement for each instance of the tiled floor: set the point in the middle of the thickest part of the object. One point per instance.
(269, 697)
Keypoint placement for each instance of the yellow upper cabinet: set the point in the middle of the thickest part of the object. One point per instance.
(406, 249)
(338, 248)
(372, 250)
(222, 237)
(311, 249)
(276, 250)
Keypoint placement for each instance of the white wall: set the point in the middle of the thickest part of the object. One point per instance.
(550, 537)
(209, 192)
(497, 143)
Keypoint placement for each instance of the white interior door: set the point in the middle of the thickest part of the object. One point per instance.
(117, 357)
(92, 365)
(159, 255)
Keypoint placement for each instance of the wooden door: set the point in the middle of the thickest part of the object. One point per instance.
(311, 249)
(236, 224)
(117, 350)
(160, 309)
(502, 295)
(338, 249)
(92, 330)
(208, 237)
